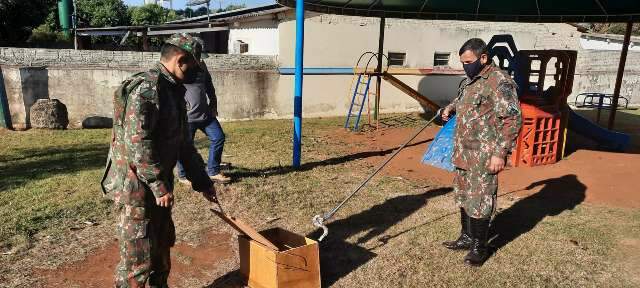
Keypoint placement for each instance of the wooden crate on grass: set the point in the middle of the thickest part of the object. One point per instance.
(276, 258)
(296, 263)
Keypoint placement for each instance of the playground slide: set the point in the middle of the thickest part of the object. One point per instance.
(611, 140)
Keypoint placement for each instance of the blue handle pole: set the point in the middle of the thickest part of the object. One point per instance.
(297, 96)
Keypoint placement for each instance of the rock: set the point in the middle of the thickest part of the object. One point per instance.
(95, 122)
(49, 114)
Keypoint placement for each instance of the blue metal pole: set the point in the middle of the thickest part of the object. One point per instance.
(297, 96)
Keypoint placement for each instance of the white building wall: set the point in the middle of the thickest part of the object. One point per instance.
(598, 44)
(338, 41)
(262, 36)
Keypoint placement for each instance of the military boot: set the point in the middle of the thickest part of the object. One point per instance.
(479, 252)
(464, 240)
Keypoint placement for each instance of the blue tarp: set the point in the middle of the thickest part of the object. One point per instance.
(440, 151)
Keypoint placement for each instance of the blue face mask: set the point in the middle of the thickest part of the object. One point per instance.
(472, 69)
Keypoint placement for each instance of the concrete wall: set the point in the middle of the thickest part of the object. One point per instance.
(338, 41)
(85, 81)
(596, 72)
(600, 44)
(249, 86)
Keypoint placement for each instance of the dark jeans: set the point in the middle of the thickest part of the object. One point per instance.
(214, 132)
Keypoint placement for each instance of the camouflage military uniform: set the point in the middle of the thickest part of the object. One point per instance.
(149, 135)
(488, 121)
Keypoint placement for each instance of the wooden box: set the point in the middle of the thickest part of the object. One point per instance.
(295, 262)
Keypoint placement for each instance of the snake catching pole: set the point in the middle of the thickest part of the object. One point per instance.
(319, 219)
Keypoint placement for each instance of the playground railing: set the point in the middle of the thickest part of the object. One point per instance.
(599, 100)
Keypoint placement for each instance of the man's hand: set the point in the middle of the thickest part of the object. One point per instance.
(165, 201)
(496, 164)
(210, 195)
(446, 113)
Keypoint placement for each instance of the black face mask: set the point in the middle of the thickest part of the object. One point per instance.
(472, 69)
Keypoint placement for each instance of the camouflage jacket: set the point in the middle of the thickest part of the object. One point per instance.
(488, 119)
(149, 135)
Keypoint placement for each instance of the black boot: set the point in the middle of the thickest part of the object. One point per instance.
(479, 252)
(464, 241)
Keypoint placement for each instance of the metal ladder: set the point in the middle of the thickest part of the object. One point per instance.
(360, 96)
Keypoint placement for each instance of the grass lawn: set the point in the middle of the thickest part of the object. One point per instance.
(387, 236)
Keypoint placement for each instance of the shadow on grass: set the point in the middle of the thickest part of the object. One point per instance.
(282, 170)
(338, 257)
(556, 196)
(35, 164)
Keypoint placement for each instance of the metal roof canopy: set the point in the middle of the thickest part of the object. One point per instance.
(536, 11)
(539, 11)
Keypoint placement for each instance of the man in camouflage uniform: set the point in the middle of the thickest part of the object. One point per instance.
(488, 121)
(149, 136)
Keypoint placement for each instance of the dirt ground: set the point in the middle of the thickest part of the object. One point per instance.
(605, 179)
(608, 177)
(188, 262)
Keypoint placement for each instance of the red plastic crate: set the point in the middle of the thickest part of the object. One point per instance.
(540, 138)
(545, 80)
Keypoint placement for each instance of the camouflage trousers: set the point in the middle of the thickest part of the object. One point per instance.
(145, 235)
(475, 191)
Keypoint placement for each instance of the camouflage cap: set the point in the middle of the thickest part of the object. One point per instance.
(188, 43)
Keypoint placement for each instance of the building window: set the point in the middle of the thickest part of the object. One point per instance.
(397, 58)
(441, 59)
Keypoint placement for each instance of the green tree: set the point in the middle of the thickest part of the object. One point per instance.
(200, 11)
(151, 14)
(49, 32)
(19, 17)
(45, 36)
(103, 13)
(231, 7)
(614, 28)
(188, 12)
(145, 15)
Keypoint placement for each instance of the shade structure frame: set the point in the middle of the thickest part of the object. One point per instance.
(376, 8)
(377, 11)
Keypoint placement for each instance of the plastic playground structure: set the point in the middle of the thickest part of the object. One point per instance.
(545, 81)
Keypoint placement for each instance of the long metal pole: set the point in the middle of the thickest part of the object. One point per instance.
(376, 108)
(319, 219)
(74, 21)
(623, 61)
(208, 14)
(297, 96)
